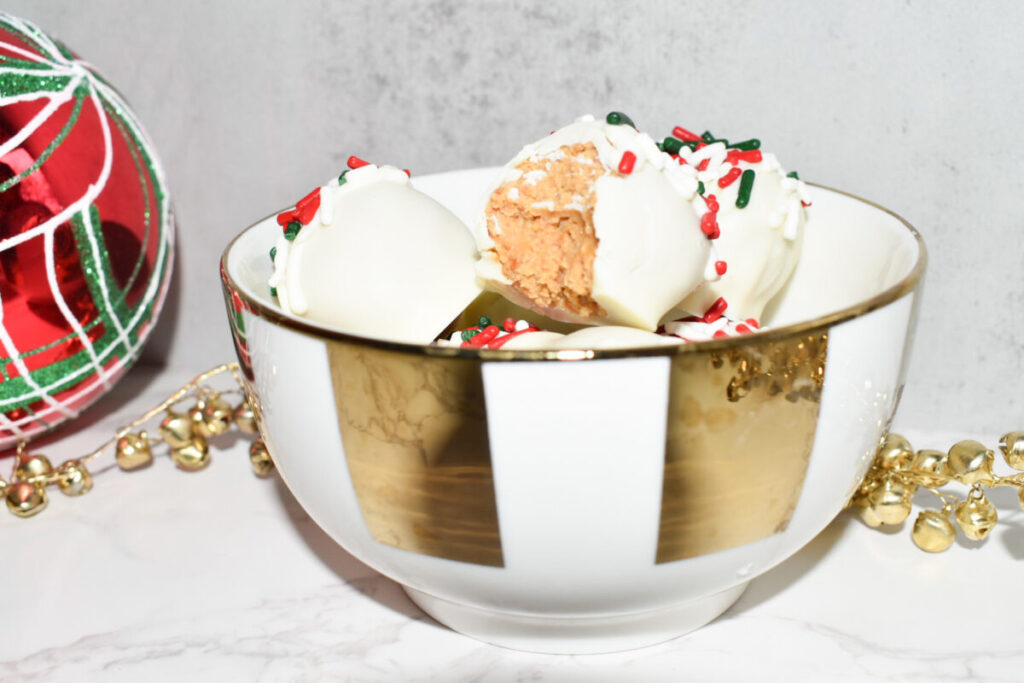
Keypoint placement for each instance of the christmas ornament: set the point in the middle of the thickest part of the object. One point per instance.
(86, 234)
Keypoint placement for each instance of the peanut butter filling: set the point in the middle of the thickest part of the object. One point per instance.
(542, 225)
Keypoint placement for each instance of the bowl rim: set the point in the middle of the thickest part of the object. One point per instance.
(805, 327)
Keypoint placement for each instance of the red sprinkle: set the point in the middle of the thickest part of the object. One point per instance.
(716, 310)
(712, 203)
(500, 341)
(708, 224)
(753, 323)
(283, 219)
(703, 165)
(743, 329)
(804, 204)
(509, 325)
(684, 135)
(721, 267)
(356, 162)
(730, 177)
(485, 335)
(720, 334)
(307, 206)
(626, 165)
(751, 156)
(407, 172)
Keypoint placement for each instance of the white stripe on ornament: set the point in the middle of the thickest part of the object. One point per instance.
(47, 46)
(21, 52)
(57, 100)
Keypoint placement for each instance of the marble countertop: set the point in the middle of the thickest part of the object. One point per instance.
(219, 576)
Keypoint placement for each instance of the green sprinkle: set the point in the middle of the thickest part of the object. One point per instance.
(469, 334)
(700, 187)
(341, 178)
(746, 185)
(660, 146)
(484, 321)
(746, 145)
(672, 145)
(793, 174)
(617, 118)
(273, 254)
(292, 230)
(706, 136)
(692, 144)
(273, 291)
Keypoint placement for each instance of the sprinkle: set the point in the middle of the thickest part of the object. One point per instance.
(685, 135)
(672, 145)
(804, 204)
(703, 165)
(407, 172)
(753, 323)
(509, 325)
(793, 174)
(292, 230)
(273, 253)
(721, 267)
(626, 165)
(273, 291)
(660, 146)
(700, 187)
(500, 341)
(484, 321)
(743, 329)
(716, 310)
(469, 333)
(355, 162)
(485, 335)
(707, 137)
(708, 224)
(729, 178)
(750, 144)
(341, 178)
(746, 186)
(712, 203)
(285, 218)
(617, 118)
(307, 206)
(752, 156)
(720, 334)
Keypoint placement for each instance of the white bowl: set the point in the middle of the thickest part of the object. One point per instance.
(588, 501)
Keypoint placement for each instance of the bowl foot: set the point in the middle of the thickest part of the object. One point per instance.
(576, 635)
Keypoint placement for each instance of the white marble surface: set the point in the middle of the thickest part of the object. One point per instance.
(161, 575)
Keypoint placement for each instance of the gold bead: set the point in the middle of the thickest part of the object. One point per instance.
(891, 501)
(259, 456)
(895, 453)
(192, 456)
(133, 451)
(1020, 498)
(25, 499)
(970, 462)
(1012, 446)
(935, 462)
(198, 425)
(176, 429)
(244, 418)
(933, 532)
(73, 479)
(30, 466)
(216, 415)
(976, 516)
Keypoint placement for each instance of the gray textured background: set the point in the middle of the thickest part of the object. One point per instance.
(914, 105)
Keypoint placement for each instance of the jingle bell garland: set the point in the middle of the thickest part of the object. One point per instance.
(185, 434)
(898, 472)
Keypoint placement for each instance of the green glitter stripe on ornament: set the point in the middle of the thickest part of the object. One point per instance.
(58, 374)
(14, 83)
(46, 347)
(51, 148)
(118, 313)
(9, 62)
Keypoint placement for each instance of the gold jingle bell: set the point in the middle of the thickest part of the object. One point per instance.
(73, 479)
(30, 466)
(867, 514)
(932, 461)
(970, 462)
(244, 418)
(193, 456)
(133, 451)
(976, 516)
(933, 532)
(259, 456)
(195, 414)
(216, 415)
(1012, 446)
(895, 453)
(891, 501)
(176, 429)
(25, 499)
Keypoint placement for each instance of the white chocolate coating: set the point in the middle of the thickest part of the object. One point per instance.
(598, 337)
(759, 243)
(650, 253)
(378, 259)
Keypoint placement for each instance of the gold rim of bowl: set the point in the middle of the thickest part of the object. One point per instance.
(821, 323)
